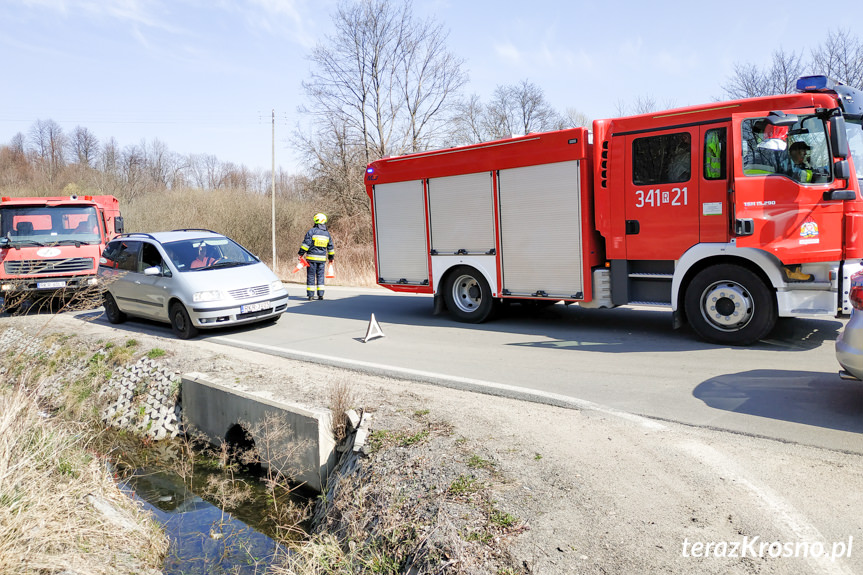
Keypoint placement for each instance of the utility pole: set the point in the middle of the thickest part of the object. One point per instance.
(273, 193)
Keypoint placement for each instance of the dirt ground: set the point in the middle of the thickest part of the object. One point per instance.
(506, 486)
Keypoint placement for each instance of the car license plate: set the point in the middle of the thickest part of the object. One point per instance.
(255, 307)
(50, 285)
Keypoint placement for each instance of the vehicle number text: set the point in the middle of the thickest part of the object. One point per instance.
(657, 198)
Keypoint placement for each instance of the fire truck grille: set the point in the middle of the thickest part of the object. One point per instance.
(58, 266)
(247, 293)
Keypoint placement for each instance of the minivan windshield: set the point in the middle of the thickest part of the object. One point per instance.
(207, 254)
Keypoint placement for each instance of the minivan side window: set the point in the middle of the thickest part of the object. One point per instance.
(150, 257)
(127, 259)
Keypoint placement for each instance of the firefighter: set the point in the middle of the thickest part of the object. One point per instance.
(317, 249)
(800, 168)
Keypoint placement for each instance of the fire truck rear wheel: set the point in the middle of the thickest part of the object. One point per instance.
(731, 305)
(181, 323)
(467, 295)
(112, 310)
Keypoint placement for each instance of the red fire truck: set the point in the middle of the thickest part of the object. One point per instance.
(732, 214)
(52, 245)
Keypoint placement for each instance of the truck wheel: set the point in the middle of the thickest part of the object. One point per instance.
(181, 323)
(467, 295)
(729, 304)
(112, 310)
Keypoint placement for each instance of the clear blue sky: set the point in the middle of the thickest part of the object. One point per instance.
(202, 76)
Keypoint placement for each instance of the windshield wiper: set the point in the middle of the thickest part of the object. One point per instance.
(77, 243)
(224, 265)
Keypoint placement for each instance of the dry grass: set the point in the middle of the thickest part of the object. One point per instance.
(341, 399)
(59, 506)
(247, 218)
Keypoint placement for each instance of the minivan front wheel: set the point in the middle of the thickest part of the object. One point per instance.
(112, 310)
(181, 323)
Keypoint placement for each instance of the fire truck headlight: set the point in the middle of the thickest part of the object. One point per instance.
(209, 295)
(276, 286)
(93, 281)
(7, 287)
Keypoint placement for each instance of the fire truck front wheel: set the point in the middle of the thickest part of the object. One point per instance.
(112, 310)
(467, 295)
(731, 305)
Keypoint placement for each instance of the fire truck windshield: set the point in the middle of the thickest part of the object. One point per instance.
(43, 225)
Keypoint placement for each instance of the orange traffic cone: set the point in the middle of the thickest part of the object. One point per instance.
(331, 270)
(301, 263)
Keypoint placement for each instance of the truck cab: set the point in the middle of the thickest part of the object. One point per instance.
(51, 246)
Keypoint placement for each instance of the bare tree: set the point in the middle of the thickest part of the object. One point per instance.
(385, 76)
(840, 57)
(576, 119)
(513, 110)
(431, 77)
(84, 147)
(748, 81)
(49, 142)
(785, 69)
(466, 124)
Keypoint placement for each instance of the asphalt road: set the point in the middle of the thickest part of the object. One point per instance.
(626, 361)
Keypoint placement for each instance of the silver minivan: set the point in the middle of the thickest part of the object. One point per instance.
(192, 279)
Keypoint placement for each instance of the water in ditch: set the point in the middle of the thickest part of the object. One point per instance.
(218, 520)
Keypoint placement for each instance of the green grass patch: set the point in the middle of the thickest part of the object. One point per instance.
(464, 485)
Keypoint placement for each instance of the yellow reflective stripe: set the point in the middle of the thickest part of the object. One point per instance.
(316, 258)
(304, 247)
(332, 252)
(321, 241)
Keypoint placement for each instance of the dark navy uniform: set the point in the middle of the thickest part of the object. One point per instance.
(317, 248)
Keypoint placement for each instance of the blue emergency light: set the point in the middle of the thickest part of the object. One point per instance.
(815, 84)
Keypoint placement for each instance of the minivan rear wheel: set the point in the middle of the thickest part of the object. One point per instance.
(181, 323)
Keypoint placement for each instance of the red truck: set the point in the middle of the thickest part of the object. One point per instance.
(52, 245)
(707, 210)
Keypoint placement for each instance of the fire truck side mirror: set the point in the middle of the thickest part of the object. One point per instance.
(841, 170)
(838, 137)
(118, 224)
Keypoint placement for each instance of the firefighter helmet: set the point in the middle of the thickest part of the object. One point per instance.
(320, 218)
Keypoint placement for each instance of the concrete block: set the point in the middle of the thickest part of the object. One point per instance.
(353, 418)
(306, 457)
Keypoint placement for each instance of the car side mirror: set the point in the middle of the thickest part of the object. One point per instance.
(118, 224)
(153, 271)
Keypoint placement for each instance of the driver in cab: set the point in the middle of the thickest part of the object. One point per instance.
(204, 258)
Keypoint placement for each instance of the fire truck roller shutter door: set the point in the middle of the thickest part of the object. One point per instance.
(461, 214)
(541, 253)
(400, 230)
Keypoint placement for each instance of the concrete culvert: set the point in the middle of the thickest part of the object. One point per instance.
(241, 450)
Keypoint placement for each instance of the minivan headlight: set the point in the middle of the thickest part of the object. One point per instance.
(276, 285)
(208, 295)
